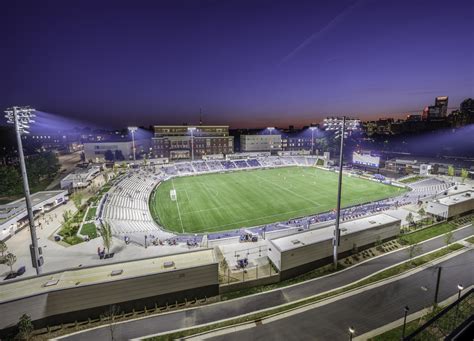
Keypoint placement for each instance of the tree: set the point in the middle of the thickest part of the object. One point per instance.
(409, 218)
(109, 155)
(111, 315)
(448, 238)
(464, 174)
(66, 215)
(106, 234)
(10, 260)
(413, 251)
(451, 171)
(25, 327)
(3, 247)
(77, 199)
(421, 211)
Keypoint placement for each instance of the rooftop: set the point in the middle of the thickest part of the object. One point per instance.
(326, 233)
(103, 273)
(19, 205)
(457, 198)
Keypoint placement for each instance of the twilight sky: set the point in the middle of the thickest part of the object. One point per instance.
(245, 63)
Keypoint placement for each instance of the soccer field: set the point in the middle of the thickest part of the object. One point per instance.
(225, 201)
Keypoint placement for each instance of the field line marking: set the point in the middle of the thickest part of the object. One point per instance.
(246, 220)
(288, 190)
(177, 205)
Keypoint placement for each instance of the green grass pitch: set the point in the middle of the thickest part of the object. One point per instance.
(225, 201)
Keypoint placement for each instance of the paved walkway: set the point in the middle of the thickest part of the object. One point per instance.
(205, 314)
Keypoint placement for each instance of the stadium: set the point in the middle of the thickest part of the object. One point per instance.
(225, 198)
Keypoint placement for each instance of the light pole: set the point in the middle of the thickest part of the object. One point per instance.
(460, 289)
(191, 130)
(312, 139)
(406, 309)
(21, 117)
(133, 130)
(341, 126)
(351, 333)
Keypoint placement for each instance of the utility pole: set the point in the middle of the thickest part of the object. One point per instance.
(21, 117)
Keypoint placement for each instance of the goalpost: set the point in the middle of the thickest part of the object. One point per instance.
(173, 195)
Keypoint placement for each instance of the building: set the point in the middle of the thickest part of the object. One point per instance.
(442, 103)
(467, 106)
(452, 206)
(101, 151)
(80, 178)
(14, 216)
(180, 142)
(87, 293)
(301, 252)
(260, 143)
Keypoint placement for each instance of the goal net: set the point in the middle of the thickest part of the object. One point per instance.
(173, 194)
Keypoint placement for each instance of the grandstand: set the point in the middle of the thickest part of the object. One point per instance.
(126, 206)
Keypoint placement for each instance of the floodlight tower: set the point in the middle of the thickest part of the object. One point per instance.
(133, 130)
(191, 130)
(21, 117)
(342, 126)
(312, 139)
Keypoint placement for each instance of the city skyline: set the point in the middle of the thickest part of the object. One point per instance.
(244, 64)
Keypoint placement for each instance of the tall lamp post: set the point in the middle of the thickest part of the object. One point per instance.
(341, 126)
(191, 130)
(405, 310)
(133, 130)
(21, 117)
(312, 139)
(351, 333)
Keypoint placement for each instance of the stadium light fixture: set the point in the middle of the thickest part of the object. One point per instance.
(21, 117)
(191, 130)
(312, 138)
(342, 126)
(133, 130)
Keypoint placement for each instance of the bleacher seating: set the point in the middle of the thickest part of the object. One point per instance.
(228, 164)
(241, 163)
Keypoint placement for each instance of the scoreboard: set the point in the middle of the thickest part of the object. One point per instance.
(366, 159)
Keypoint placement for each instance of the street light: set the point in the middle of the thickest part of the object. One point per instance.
(21, 117)
(460, 288)
(406, 309)
(351, 333)
(192, 129)
(312, 139)
(342, 126)
(133, 130)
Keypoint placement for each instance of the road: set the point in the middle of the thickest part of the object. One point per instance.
(226, 309)
(367, 310)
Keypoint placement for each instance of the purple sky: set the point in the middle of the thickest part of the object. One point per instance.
(245, 63)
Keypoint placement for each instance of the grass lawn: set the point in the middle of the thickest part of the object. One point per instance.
(91, 213)
(90, 230)
(226, 201)
(427, 233)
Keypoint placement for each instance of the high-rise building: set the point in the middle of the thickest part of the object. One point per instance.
(182, 141)
(442, 103)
